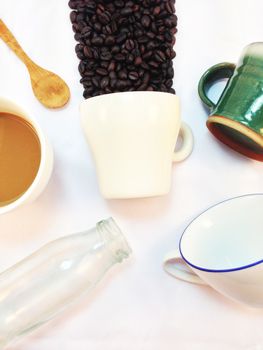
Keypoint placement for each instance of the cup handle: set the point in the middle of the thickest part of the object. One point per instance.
(175, 266)
(214, 73)
(187, 146)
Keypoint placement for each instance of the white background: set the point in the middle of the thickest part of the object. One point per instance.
(137, 306)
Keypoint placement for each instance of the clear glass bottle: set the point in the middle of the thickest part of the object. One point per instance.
(42, 285)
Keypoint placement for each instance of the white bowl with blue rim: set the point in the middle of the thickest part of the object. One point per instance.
(223, 247)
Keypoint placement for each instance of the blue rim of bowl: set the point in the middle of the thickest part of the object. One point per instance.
(218, 270)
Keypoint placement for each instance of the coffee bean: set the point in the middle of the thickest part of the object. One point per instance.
(97, 41)
(147, 55)
(161, 29)
(114, 27)
(154, 64)
(170, 72)
(130, 58)
(129, 44)
(110, 40)
(113, 83)
(102, 71)
(150, 35)
(137, 83)
(142, 87)
(146, 78)
(119, 3)
(118, 67)
(79, 51)
(146, 21)
(130, 67)
(121, 84)
(151, 45)
(106, 56)
(108, 90)
(77, 37)
(101, 7)
(72, 4)
(84, 79)
(115, 49)
(86, 32)
(145, 66)
(133, 75)
(75, 27)
(138, 33)
(160, 38)
(170, 7)
(104, 64)
(73, 16)
(174, 19)
(121, 38)
(122, 74)
(97, 27)
(156, 10)
(88, 73)
(169, 83)
(97, 93)
(156, 80)
(168, 37)
(156, 72)
(159, 56)
(119, 57)
(104, 82)
(173, 30)
(132, 19)
(95, 53)
(113, 75)
(136, 52)
(96, 81)
(126, 11)
(87, 93)
(141, 73)
(142, 49)
(104, 17)
(88, 85)
(143, 39)
(111, 66)
(138, 61)
(82, 67)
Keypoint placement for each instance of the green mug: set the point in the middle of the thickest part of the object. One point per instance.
(237, 118)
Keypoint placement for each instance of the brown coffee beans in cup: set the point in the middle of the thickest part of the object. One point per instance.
(124, 45)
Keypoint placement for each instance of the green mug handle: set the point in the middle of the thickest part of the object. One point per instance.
(214, 73)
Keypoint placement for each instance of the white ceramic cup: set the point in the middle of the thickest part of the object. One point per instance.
(223, 247)
(46, 162)
(132, 136)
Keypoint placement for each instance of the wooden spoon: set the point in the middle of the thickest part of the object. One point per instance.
(48, 87)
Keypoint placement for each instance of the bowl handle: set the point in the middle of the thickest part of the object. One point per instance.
(175, 266)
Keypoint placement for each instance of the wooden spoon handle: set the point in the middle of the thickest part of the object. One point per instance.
(11, 41)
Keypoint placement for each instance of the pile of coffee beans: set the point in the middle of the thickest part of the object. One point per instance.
(124, 45)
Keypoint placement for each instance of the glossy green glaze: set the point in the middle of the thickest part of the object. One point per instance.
(240, 107)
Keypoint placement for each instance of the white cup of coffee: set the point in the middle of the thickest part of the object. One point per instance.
(26, 157)
(132, 137)
(223, 247)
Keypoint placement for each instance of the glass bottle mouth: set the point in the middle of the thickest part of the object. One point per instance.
(113, 235)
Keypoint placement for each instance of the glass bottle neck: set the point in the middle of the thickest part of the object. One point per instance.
(112, 235)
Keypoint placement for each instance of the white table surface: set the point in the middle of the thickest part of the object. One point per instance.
(137, 305)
